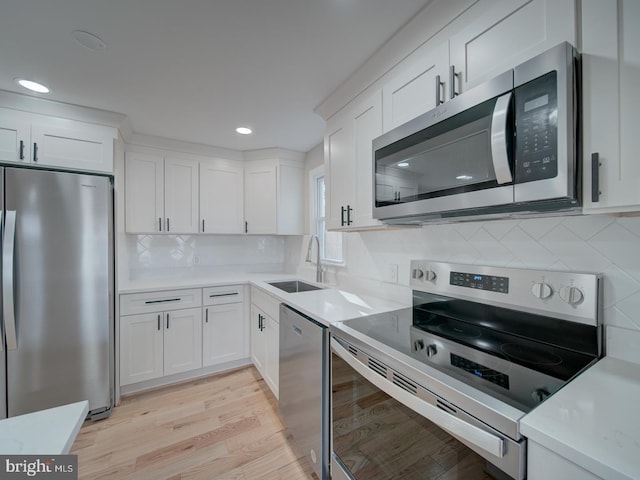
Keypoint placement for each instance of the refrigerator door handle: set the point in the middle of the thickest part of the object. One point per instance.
(8, 250)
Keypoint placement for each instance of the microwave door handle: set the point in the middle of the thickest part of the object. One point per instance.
(499, 153)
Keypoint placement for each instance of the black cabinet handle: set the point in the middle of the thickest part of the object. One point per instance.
(21, 150)
(35, 152)
(342, 216)
(595, 177)
(168, 228)
(246, 227)
(452, 81)
(159, 224)
(230, 294)
(167, 321)
(203, 225)
(206, 315)
(158, 321)
(166, 300)
(439, 85)
(349, 210)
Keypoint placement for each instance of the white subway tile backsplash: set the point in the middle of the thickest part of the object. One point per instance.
(603, 244)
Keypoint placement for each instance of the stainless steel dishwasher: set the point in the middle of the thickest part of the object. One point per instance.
(304, 385)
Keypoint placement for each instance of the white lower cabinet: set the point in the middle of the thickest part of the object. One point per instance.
(156, 344)
(543, 464)
(224, 331)
(265, 337)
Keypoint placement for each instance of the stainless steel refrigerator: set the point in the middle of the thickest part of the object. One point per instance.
(57, 290)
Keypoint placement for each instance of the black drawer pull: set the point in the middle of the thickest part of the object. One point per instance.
(149, 302)
(223, 294)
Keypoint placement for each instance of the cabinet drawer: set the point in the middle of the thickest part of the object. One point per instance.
(134, 303)
(223, 295)
(266, 303)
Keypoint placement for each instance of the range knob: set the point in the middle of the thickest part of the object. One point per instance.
(430, 275)
(571, 295)
(431, 350)
(541, 290)
(539, 394)
(418, 345)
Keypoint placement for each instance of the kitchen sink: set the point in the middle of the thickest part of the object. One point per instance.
(294, 286)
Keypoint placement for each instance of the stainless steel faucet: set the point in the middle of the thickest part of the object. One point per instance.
(319, 270)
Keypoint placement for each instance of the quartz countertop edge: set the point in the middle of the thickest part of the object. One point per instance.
(46, 432)
(328, 305)
(588, 421)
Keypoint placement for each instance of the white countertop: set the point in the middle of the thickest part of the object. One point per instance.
(325, 306)
(594, 421)
(47, 432)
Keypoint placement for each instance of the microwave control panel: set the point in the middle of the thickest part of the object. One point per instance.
(536, 109)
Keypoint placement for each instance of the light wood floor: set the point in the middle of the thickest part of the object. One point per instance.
(222, 427)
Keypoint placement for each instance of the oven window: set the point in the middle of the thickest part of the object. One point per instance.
(377, 438)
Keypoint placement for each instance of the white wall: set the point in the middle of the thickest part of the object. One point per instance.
(603, 244)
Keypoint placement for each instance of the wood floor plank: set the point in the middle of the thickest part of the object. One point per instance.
(223, 427)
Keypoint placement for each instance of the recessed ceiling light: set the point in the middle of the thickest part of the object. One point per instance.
(88, 40)
(403, 164)
(33, 86)
(244, 130)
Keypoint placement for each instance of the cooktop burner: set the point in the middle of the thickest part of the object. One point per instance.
(539, 355)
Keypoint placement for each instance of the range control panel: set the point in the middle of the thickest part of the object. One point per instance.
(573, 296)
(492, 283)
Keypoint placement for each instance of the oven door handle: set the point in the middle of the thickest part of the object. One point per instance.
(480, 438)
(499, 140)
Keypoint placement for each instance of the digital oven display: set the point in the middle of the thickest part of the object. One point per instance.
(491, 283)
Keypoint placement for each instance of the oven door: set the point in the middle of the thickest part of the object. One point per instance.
(384, 426)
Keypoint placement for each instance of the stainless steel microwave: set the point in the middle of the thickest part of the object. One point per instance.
(506, 147)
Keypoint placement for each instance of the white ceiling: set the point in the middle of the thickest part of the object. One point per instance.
(193, 70)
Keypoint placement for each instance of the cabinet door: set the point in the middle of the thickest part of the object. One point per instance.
(258, 351)
(141, 347)
(221, 198)
(15, 133)
(611, 101)
(272, 342)
(223, 334)
(367, 125)
(507, 34)
(340, 170)
(144, 193)
(74, 146)
(181, 195)
(182, 340)
(414, 88)
(260, 199)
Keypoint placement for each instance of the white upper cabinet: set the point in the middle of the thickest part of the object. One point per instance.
(274, 194)
(261, 213)
(611, 101)
(221, 197)
(181, 195)
(161, 194)
(14, 138)
(417, 85)
(55, 142)
(349, 164)
(505, 35)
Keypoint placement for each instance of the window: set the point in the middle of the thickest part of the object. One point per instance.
(331, 245)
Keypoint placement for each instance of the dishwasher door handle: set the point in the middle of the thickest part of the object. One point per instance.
(470, 433)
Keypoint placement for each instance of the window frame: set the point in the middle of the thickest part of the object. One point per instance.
(315, 175)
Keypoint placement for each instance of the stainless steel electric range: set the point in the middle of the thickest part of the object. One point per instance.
(438, 390)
